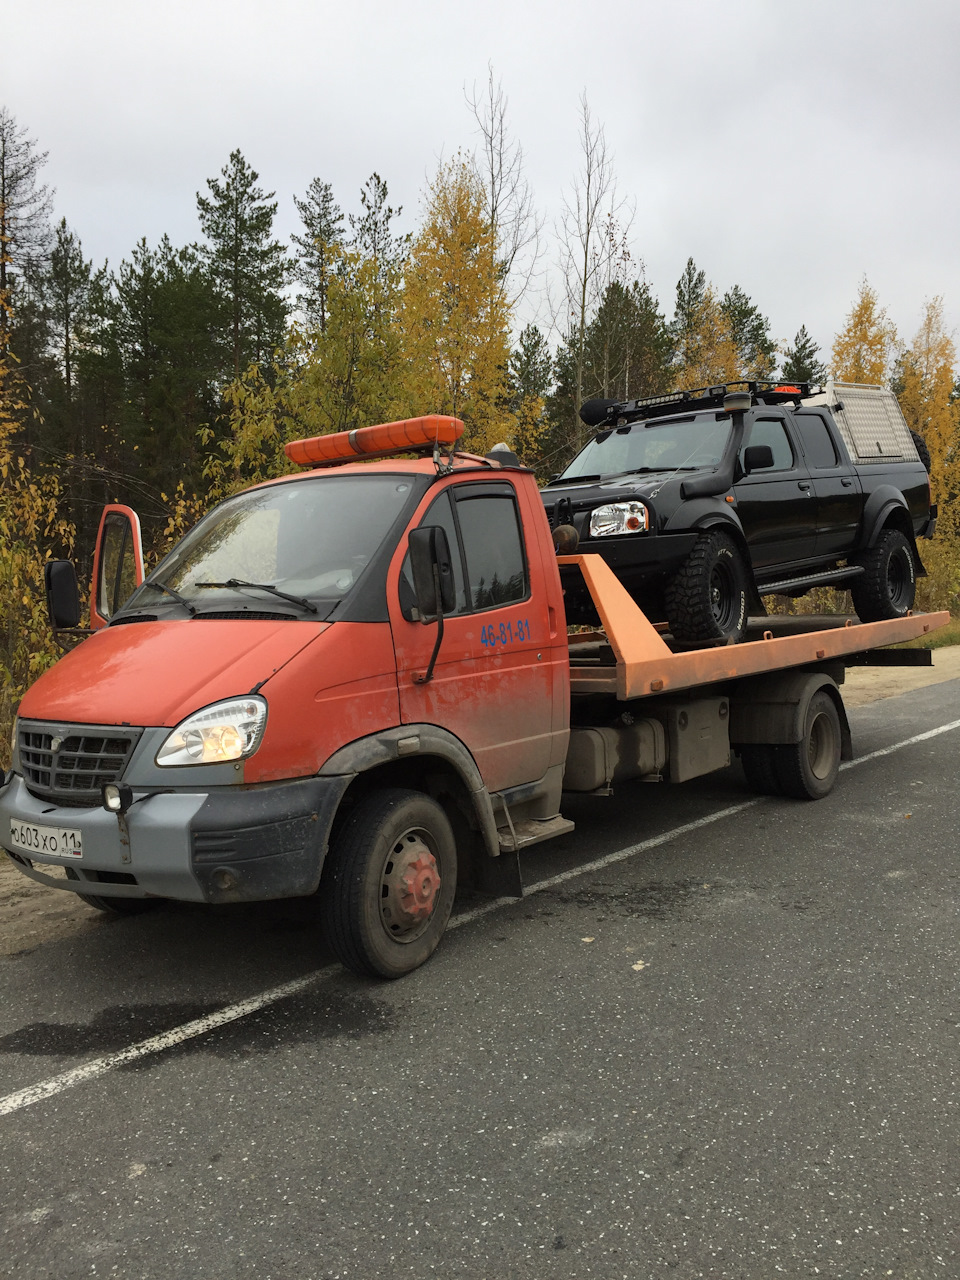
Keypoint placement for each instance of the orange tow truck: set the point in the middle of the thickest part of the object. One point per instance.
(357, 681)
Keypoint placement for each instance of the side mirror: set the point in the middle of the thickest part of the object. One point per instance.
(63, 594)
(757, 457)
(432, 569)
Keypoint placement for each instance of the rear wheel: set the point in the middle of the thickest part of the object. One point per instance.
(888, 585)
(707, 597)
(388, 884)
(807, 770)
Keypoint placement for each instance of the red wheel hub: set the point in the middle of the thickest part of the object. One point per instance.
(418, 883)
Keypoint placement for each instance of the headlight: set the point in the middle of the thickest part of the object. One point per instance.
(217, 734)
(619, 517)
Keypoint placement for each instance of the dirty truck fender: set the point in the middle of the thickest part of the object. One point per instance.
(425, 741)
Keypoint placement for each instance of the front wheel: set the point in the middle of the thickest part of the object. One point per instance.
(707, 597)
(888, 585)
(388, 884)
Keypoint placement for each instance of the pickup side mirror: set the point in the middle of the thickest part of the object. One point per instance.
(432, 568)
(757, 457)
(63, 594)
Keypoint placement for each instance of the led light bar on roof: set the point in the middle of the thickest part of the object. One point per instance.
(411, 435)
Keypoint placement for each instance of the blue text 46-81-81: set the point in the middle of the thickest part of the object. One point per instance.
(499, 635)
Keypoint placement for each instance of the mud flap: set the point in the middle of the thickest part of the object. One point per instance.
(499, 877)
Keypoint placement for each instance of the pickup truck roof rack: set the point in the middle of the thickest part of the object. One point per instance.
(596, 413)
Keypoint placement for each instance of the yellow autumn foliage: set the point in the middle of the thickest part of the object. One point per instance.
(454, 315)
(31, 526)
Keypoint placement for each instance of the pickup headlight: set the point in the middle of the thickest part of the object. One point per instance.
(619, 517)
(222, 732)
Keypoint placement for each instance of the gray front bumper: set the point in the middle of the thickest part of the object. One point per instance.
(227, 844)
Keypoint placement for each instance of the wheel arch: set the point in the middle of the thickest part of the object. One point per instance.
(771, 709)
(887, 509)
(426, 758)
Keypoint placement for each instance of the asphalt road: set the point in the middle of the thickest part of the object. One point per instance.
(732, 1052)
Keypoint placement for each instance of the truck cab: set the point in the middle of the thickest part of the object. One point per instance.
(278, 664)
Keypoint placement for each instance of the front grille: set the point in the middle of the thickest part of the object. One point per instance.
(70, 763)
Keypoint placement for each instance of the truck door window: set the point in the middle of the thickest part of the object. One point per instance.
(770, 431)
(117, 577)
(438, 513)
(816, 440)
(496, 570)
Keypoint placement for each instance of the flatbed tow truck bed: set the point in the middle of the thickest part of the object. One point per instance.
(631, 659)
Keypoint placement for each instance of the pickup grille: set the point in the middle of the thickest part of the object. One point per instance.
(70, 763)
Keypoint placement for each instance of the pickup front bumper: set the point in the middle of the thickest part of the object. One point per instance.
(227, 844)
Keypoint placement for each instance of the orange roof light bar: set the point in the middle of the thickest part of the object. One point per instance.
(411, 434)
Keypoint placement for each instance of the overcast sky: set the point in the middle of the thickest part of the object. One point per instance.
(790, 148)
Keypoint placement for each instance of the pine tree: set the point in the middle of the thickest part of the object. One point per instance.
(24, 208)
(316, 258)
(248, 268)
(691, 291)
(531, 373)
(801, 362)
(705, 352)
(373, 236)
(750, 330)
(68, 282)
(165, 317)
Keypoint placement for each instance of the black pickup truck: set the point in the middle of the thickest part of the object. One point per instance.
(705, 501)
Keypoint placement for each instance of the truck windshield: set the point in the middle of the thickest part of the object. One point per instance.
(309, 540)
(653, 446)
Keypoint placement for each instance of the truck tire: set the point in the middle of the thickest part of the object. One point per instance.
(807, 770)
(759, 765)
(888, 585)
(707, 597)
(922, 449)
(388, 884)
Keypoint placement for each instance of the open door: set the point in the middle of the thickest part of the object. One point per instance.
(117, 563)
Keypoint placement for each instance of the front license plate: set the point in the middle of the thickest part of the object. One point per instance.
(61, 842)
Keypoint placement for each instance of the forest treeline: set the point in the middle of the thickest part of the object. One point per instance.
(175, 376)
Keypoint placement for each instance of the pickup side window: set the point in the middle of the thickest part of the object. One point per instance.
(770, 431)
(817, 442)
(496, 570)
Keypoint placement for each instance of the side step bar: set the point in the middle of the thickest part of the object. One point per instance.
(799, 585)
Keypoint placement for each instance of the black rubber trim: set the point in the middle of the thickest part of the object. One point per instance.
(264, 842)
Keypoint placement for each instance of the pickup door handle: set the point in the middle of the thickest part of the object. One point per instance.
(847, 484)
(803, 484)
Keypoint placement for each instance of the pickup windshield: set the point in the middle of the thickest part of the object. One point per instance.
(309, 540)
(652, 446)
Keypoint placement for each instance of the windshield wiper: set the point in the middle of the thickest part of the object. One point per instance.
(239, 584)
(160, 586)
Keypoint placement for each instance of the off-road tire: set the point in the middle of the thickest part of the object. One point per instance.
(922, 449)
(807, 770)
(707, 597)
(887, 587)
(356, 883)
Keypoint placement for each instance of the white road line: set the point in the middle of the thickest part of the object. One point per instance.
(200, 1026)
(166, 1040)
